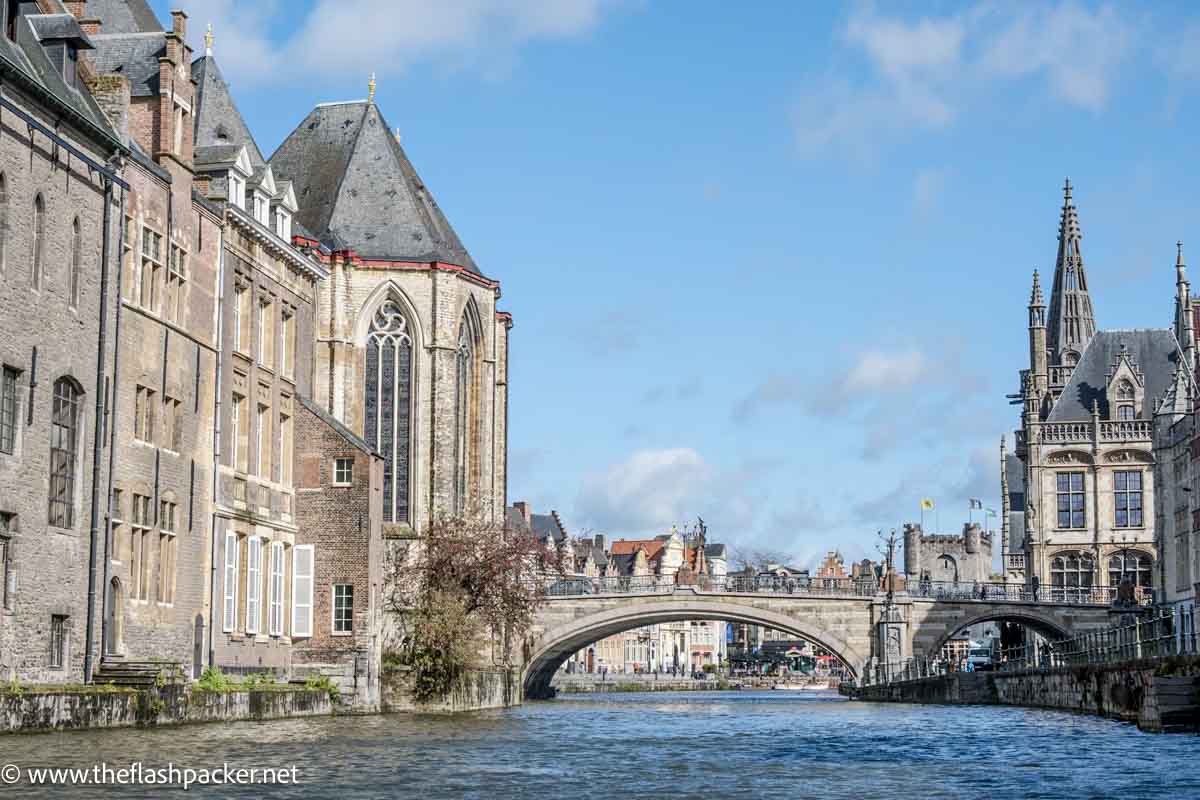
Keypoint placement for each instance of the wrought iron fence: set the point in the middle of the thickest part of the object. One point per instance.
(1160, 634)
(574, 586)
(1019, 593)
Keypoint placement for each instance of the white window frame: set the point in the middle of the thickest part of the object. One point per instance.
(231, 581)
(253, 584)
(302, 595)
(333, 610)
(336, 481)
(275, 595)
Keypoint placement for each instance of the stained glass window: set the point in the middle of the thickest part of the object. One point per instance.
(387, 405)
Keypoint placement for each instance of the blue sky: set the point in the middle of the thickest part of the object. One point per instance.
(768, 264)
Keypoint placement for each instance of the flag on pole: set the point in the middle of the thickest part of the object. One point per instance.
(926, 504)
(976, 504)
(991, 512)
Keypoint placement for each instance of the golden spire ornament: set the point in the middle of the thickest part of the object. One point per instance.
(371, 89)
(208, 40)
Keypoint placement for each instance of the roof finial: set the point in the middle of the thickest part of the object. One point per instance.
(208, 40)
(397, 136)
(1179, 253)
(371, 89)
(1067, 191)
(1035, 296)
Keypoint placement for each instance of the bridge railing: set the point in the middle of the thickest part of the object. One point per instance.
(985, 591)
(1163, 633)
(576, 586)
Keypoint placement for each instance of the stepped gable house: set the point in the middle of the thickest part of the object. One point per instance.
(1079, 488)
(411, 349)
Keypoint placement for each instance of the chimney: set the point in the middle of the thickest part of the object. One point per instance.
(202, 182)
(179, 24)
(76, 8)
(523, 508)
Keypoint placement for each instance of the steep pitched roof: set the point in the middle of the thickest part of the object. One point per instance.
(358, 190)
(134, 55)
(1153, 351)
(28, 62)
(124, 16)
(347, 434)
(217, 120)
(653, 547)
(547, 528)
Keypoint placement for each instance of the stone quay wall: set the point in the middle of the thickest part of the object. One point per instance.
(480, 689)
(83, 709)
(1136, 692)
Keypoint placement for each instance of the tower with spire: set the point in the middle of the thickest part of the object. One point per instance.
(1078, 484)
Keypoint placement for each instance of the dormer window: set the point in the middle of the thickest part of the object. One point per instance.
(70, 64)
(283, 225)
(1125, 412)
(262, 209)
(237, 191)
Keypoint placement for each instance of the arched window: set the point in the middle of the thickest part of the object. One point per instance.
(464, 383)
(387, 404)
(64, 449)
(1069, 570)
(76, 255)
(39, 239)
(1132, 564)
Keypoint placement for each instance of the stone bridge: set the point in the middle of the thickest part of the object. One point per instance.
(843, 623)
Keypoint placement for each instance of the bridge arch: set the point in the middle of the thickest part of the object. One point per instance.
(1048, 625)
(559, 642)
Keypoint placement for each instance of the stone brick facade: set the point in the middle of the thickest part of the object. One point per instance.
(53, 299)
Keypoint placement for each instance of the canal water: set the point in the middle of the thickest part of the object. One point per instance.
(651, 745)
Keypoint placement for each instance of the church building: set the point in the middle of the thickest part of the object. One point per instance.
(411, 350)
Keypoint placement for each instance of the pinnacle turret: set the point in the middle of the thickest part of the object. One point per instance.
(1071, 323)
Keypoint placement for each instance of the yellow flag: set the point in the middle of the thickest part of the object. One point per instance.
(927, 505)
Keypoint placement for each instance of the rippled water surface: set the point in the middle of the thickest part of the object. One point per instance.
(715, 745)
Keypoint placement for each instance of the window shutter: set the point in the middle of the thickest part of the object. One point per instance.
(231, 573)
(253, 584)
(276, 598)
(302, 590)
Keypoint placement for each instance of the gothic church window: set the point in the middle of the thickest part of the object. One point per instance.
(64, 450)
(387, 405)
(1071, 570)
(8, 410)
(463, 390)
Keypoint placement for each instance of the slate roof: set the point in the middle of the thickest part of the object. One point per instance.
(218, 123)
(1152, 350)
(714, 551)
(27, 61)
(347, 434)
(357, 189)
(59, 27)
(216, 154)
(134, 55)
(124, 16)
(547, 528)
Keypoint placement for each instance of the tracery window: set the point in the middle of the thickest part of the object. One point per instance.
(1071, 570)
(64, 448)
(1125, 390)
(1132, 564)
(387, 405)
(463, 383)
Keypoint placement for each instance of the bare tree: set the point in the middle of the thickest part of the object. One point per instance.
(745, 556)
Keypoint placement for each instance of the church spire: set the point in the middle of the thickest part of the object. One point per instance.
(1071, 325)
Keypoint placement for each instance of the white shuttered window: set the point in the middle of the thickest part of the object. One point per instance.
(275, 598)
(302, 590)
(231, 579)
(253, 584)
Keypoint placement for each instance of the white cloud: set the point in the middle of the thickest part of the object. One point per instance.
(649, 491)
(337, 39)
(920, 75)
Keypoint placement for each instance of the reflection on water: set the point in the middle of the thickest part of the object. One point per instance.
(718, 745)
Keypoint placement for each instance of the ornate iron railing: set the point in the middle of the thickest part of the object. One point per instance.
(574, 586)
(1163, 633)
